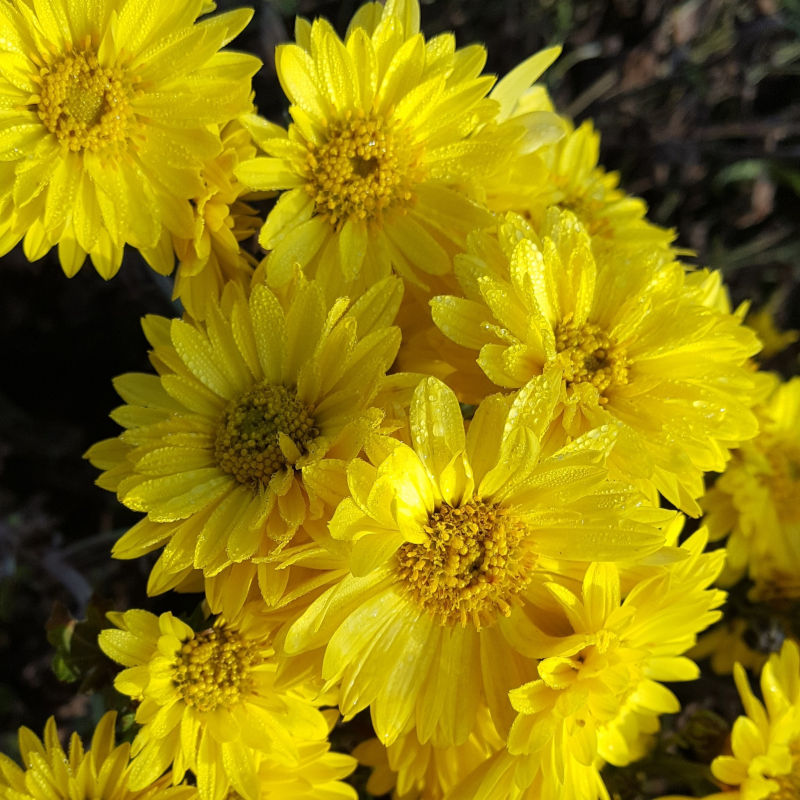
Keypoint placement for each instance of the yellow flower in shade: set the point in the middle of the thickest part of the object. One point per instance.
(566, 173)
(390, 137)
(412, 770)
(632, 341)
(222, 219)
(598, 697)
(207, 701)
(773, 339)
(725, 645)
(105, 115)
(451, 541)
(756, 499)
(242, 438)
(765, 760)
(103, 771)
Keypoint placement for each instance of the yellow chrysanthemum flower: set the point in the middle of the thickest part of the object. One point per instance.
(566, 173)
(598, 697)
(105, 111)
(207, 701)
(222, 219)
(451, 541)
(632, 340)
(415, 771)
(242, 438)
(390, 134)
(756, 500)
(765, 743)
(103, 771)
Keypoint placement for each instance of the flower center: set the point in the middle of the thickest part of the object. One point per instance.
(587, 355)
(213, 668)
(588, 209)
(783, 480)
(85, 105)
(364, 167)
(471, 566)
(264, 431)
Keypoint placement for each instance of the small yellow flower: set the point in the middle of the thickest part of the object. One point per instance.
(103, 771)
(207, 701)
(242, 438)
(565, 173)
(756, 499)
(773, 339)
(452, 539)
(109, 112)
(222, 219)
(630, 337)
(390, 139)
(765, 762)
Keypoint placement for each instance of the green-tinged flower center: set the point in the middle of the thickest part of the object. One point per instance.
(588, 209)
(213, 668)
(783, 479)
(262, 432)
(470, 567)
(85, 105)
(586, 354)
(365, 166)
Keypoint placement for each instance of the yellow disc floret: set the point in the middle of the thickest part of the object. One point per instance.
(471, 565)
(83, 103)
(364, 167)
(587, 355)
(213, 668)
(259, 431)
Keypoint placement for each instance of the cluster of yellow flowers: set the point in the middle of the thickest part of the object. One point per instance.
(414, 457)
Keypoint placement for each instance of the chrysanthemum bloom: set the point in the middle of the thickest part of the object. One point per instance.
(390, 134)
(222, 219)
(412, 770)
(103, 771)
(756, 500)
(244, 434)
(106, 109)
(566, 173)
(451, 539)
(632, 340)
(765, 743)
(727, 644)
(207, 700)
(598, 696)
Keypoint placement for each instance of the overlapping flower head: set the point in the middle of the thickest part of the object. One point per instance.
(390, 136)
(495, 584)
(630, 337)
(755, 502)
(240, 439)
(104, 770)
(108, 114)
